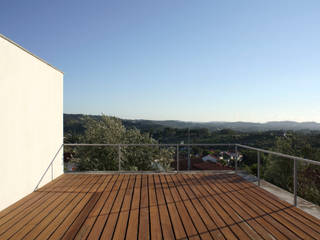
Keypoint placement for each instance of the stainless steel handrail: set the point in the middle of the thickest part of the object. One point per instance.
(295, 167)
(280, 154)
(235, 145)
(50, 165)
(119, 145)
(148, 144)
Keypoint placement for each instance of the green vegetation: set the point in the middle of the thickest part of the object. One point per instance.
(277, 170)
(110, 130)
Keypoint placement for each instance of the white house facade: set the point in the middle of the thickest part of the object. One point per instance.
(31, 123)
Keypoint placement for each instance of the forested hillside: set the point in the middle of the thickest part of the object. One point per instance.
(74, 124)
(212, 126)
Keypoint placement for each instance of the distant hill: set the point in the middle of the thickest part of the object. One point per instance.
(75, 119)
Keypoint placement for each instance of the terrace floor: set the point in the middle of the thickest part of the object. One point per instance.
(154, 206)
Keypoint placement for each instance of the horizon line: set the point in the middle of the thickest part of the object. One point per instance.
(187, 121)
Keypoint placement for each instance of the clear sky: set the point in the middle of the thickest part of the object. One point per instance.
(226, 60)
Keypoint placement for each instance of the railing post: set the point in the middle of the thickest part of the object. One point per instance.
(295, 182)
(258, 169)
(119, 157)
(236, 159)
(178, 158)
(189, 161)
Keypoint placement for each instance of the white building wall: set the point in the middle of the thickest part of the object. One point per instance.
(31, 121)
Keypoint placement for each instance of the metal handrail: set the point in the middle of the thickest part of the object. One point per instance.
(195, 144)
(280, 154)
(119, 145)
(50, 165)
(235, 145)
(148, 144)
(295, 167)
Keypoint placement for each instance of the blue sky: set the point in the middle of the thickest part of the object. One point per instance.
(226, 60)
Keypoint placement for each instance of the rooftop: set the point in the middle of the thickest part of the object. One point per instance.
(155, 206)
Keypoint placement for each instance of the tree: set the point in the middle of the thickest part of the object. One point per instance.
(279, 170)
(104, 158)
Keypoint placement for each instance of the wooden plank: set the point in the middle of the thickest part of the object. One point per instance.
(299, 226)
(295, 220)
(88, 190)
(241, 229)
(242, 209)
(230, 216)
(259, 226)
(177, 225)
(208, 228)
(28, 200)
(193, 212)
(300, 233)
(77, 224)
(144, 230)
(289, 234)
(155, 227)
(315, 227)
(79, 220)
(104, 214)
(288, 231)
(220, 217)
(294, 224)
(289, 207)
(156, 206)
(60, 216)
(200, 204)
(306, 216)
(26, 203)
(57, 182)
(39, 218)
(110, 226)
(227, 180)
(16, 223)
(165, 221)
(122, 224)
(252, 209)
(133, 223)
(271, 229)
(91, 219)
(181, 207)
(47, 220)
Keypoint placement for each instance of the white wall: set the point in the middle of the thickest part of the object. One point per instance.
(31, 121)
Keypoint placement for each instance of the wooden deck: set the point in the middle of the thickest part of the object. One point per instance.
(154, 206)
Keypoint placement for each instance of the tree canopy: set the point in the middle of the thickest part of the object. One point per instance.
(106, 158)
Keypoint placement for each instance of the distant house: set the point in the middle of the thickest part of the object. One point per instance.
(71, 166)
(210, 158)
(232, 155)
(229, 157)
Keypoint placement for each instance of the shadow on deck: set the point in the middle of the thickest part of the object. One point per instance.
(155, 206)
